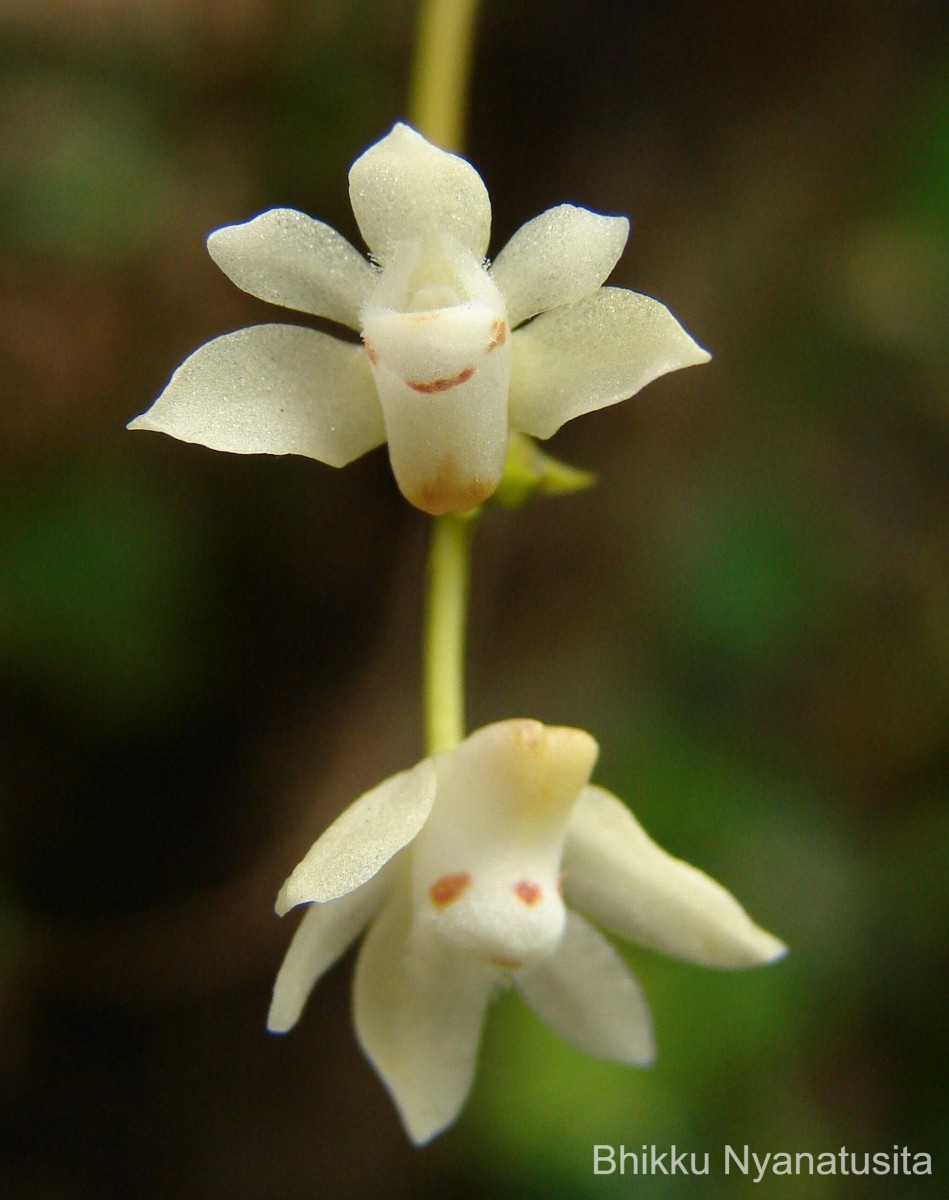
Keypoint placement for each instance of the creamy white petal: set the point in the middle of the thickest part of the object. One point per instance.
(273, 389)
(587, 994)
(325, 932)
(557, 258)
(404, 189)
(419, 1007)
(289, 258)
(363, 838)
(585, 356)
(616, 874)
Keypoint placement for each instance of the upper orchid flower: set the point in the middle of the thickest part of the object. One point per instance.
(439, 374)
(462, 866)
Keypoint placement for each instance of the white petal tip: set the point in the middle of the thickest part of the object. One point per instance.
(295, 892)
(219, 242)
(226, 233)
(639, 1056)
(772, 949)
(228, 236)
(279, 1022)
(636, 1049)
(753, 948)
(285, 901)
(421, 1133)
(403, 129)
(686, 352)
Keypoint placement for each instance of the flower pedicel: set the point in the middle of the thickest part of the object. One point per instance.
(463, 868)
(451, 359)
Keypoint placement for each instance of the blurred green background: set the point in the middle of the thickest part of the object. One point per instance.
(203, 658)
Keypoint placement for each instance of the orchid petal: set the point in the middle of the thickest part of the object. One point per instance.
(405, 189)
(585, 356)
(363, 838)
(289, 258)
(419, 1007)
(586, 993)
(557, 258)
(272, 389)
(616, 874)
(325, 933)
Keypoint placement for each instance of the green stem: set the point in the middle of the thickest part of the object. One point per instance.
(441, 70)
(437, 107)
(445, 622)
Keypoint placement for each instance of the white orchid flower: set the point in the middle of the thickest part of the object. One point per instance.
(439, 373)
(462, 868)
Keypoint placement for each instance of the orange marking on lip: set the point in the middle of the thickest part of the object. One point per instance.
(446, 490)
(509, 964)
(448, 888)
(441, 385)
(373, 357)
(529, 735)
(499, 334)
(528, 892)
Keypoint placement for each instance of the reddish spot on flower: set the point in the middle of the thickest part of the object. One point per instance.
(498, 334)
(529, 735)
(528, 892)
(446, 890)
(446, 489)
(373, 357)
(441, 385)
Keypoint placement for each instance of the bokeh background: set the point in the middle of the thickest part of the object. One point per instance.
(203, 658)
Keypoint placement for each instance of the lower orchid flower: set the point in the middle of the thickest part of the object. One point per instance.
(467, 870)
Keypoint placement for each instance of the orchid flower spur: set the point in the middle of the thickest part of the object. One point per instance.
(439, 374)
(462, 868)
